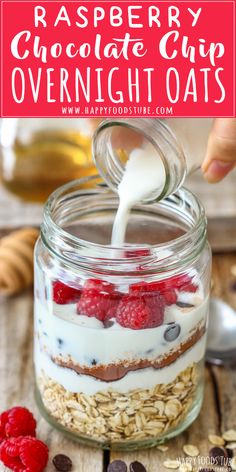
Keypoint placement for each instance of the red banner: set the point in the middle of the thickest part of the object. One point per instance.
(124, 58)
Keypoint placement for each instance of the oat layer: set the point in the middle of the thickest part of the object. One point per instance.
(113, 416)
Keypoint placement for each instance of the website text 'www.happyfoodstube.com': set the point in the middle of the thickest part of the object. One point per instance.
(219, 463)
(117, 110)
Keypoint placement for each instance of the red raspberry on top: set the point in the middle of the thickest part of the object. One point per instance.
(3, 420)
(167, 287)
(99, 299)
(17, 421)
(24, 454)
(169, 294)
(101, 285)
(63, 294)
(140, 311)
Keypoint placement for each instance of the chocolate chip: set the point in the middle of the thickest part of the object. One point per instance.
(46, 294)
(233, 286)
(184, 305)
(219, 455)
(149, 351)
(206, 470)
(230, 453)
(117, 466)
(59, 342)
(137, 467)
(94, 362)
(172, 332)
(108, 323)
(62, 463)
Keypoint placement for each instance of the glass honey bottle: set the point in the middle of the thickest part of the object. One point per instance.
(40, 154)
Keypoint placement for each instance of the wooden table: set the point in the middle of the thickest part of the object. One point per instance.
(17, 387)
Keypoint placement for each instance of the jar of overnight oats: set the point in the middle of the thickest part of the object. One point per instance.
(120, 332)
(177, 144)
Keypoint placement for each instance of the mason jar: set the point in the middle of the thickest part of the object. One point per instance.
(120, 332)
(179, 145)
(39, 155)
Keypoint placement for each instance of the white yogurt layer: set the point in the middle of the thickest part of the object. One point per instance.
(64, 333)
(144, 378)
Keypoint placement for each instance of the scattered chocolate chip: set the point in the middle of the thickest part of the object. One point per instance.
(233, 286)
(137, 467)
(219, 455)
(206, 470)
(172, 332)
(62, 463)
(230, 453)
(184, 305)
(117, 466)
(59, 342)
(108, 323)
(149, 351)
(47, 297)
(94, 362)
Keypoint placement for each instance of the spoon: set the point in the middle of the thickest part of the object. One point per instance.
(221, 339)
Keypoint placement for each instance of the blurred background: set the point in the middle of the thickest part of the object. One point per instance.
(39, 154)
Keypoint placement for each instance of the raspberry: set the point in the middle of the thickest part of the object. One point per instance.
(99, 299)
(3, 420)
(24, 454)
(100, 304)
(182, 283)
(138, 312)
(169, 295)
(99, 285)
(17, 421)
(167, 287)
(63, 294)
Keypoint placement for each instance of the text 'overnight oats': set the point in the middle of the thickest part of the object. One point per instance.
(120, 363)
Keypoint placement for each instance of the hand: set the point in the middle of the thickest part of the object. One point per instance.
(220, 157)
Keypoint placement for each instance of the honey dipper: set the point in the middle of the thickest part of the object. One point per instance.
(16, 260)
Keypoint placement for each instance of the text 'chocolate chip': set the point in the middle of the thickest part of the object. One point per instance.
(62, 463)
(172, 332)
(137, 467)
(117, 466)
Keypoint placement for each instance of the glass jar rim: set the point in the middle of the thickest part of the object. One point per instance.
(155, 131)
(81, 253)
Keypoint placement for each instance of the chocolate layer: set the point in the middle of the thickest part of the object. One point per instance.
(112, 372)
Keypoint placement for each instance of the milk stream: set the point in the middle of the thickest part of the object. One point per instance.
(143, 174)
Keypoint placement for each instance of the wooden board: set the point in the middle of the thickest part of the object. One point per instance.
(17, 387)
(17, 382)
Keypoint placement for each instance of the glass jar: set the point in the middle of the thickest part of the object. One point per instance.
(179, 143)
(120, 332)
(39, 154)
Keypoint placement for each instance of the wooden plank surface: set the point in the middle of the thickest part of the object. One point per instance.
(17, 385)
(17, 382)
